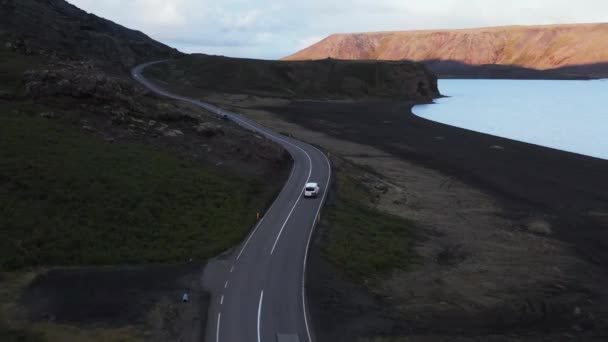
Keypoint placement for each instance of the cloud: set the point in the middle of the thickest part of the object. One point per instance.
(239, 21)
(273, 29)
(164, 13)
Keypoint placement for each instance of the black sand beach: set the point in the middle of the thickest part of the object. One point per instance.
(568, 190)
(572, 187)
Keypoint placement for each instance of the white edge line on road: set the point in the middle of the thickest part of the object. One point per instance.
(236, 118)
(308, 244)
(295, 204)
(217, 332)
(278, 138)
(267, 211)
(260, 314)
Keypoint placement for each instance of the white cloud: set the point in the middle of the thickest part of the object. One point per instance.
(262, 37)
(240, 20)
(164, 13)
(274, 28)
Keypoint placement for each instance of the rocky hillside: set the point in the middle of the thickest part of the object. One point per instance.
(525, 47)
(323, 79)
(119, 173)
(57, 28)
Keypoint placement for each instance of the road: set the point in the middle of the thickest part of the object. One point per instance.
(260, 293)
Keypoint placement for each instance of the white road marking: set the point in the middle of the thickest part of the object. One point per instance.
(260, 313)
(226, 284)
(259, 223)
(243, 122)
(222, 300)
(217, 332)
(279, 139)
(294, 206)
(308, 245)
(250, 236)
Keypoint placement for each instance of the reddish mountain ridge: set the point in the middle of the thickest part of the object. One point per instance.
(533, 47)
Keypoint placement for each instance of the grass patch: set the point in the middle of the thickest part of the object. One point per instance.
(64, 333)
(12, 327)
(12, 67)
(18, 335)
(362, 241)
(67, 198)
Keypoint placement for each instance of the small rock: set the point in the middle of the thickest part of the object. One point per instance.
(173, 133)
(110, 139)
(47, 115)
(382, 188)
(151, 123)
(539, 226)
(497, 147)
(209, 129)
(560, 287)
(577, 311)
(139, 121)
(88, 128)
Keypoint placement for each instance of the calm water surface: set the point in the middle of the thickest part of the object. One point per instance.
(567, 115)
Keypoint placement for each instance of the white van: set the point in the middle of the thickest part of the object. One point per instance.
(311, 190)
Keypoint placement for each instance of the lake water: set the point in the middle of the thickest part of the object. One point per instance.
(567, 115)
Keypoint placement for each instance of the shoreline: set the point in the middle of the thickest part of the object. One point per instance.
(535, 112)
(546, 206)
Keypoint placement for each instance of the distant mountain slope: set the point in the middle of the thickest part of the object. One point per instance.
(324, 79)
(55, 27)
(532, 47)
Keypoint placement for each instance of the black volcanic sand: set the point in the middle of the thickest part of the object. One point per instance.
(570, 189)
(115, 296)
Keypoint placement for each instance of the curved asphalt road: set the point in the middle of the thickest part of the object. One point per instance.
(262, 294)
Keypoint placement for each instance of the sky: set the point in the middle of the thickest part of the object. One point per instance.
(271, 29)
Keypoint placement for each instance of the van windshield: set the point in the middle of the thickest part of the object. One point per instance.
(310, 189)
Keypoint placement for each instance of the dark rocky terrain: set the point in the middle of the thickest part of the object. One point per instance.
(323, 79)
(55, 28)
(96, 170)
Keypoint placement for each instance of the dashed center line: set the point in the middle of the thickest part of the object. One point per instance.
(260, 314)
(222, 300)
(226, 284)
(231, 269)
(217, 332)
